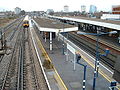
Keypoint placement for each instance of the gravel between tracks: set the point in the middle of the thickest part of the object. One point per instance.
(32, 73)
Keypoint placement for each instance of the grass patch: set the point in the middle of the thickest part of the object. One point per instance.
(47, 64)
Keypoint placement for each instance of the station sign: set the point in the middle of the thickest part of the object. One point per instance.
(71, 48)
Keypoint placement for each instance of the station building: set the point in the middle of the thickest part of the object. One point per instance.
(116, 9)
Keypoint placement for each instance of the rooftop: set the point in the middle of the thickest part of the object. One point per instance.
(99, 20)
(47, 23)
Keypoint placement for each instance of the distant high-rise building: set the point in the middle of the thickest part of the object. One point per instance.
(93, 9)
(17, 10)
(116, 9)
(83, 8)
(66, 8)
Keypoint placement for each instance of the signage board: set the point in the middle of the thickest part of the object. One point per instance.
(71, 48)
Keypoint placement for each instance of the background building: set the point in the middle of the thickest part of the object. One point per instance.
(93, 9)
(83, 8)
(116, 9)
(66, 8)
(115, 13)
(2, 14)
(50, 11)
(17, 10)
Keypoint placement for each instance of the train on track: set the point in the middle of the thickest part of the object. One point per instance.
(26, 22)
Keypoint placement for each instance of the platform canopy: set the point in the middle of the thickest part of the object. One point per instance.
(112, 24)
(58, 30)
(55, 29)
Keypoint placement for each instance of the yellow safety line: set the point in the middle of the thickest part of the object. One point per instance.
(100, 71)
(40, 44)
(93, 67)
(60, 79)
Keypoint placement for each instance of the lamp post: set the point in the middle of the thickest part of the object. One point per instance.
(63, 44)
(97, 53)
(63, 39)
(84, 77)
(50, 41)
(67, 49)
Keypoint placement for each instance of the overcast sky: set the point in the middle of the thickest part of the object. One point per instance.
(56, 5)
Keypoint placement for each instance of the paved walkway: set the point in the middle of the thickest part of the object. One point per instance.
(73, 78)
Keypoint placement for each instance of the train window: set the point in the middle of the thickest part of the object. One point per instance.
(26, 22)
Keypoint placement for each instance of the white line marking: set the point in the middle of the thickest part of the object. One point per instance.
(39, 60)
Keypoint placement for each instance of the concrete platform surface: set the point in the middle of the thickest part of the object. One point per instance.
(73, 78)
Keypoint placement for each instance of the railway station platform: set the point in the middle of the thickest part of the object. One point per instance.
(73, 78)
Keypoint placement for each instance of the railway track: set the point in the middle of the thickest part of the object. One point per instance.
(9, 80)
(15, 29)
(30, 76)
(112, 47)
(1, 57)
(11, 24)
(20, 77)
(12, 28)
(22, 71)
(90, 46)
(9, 31)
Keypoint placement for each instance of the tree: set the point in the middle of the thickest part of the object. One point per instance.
(22, 12)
